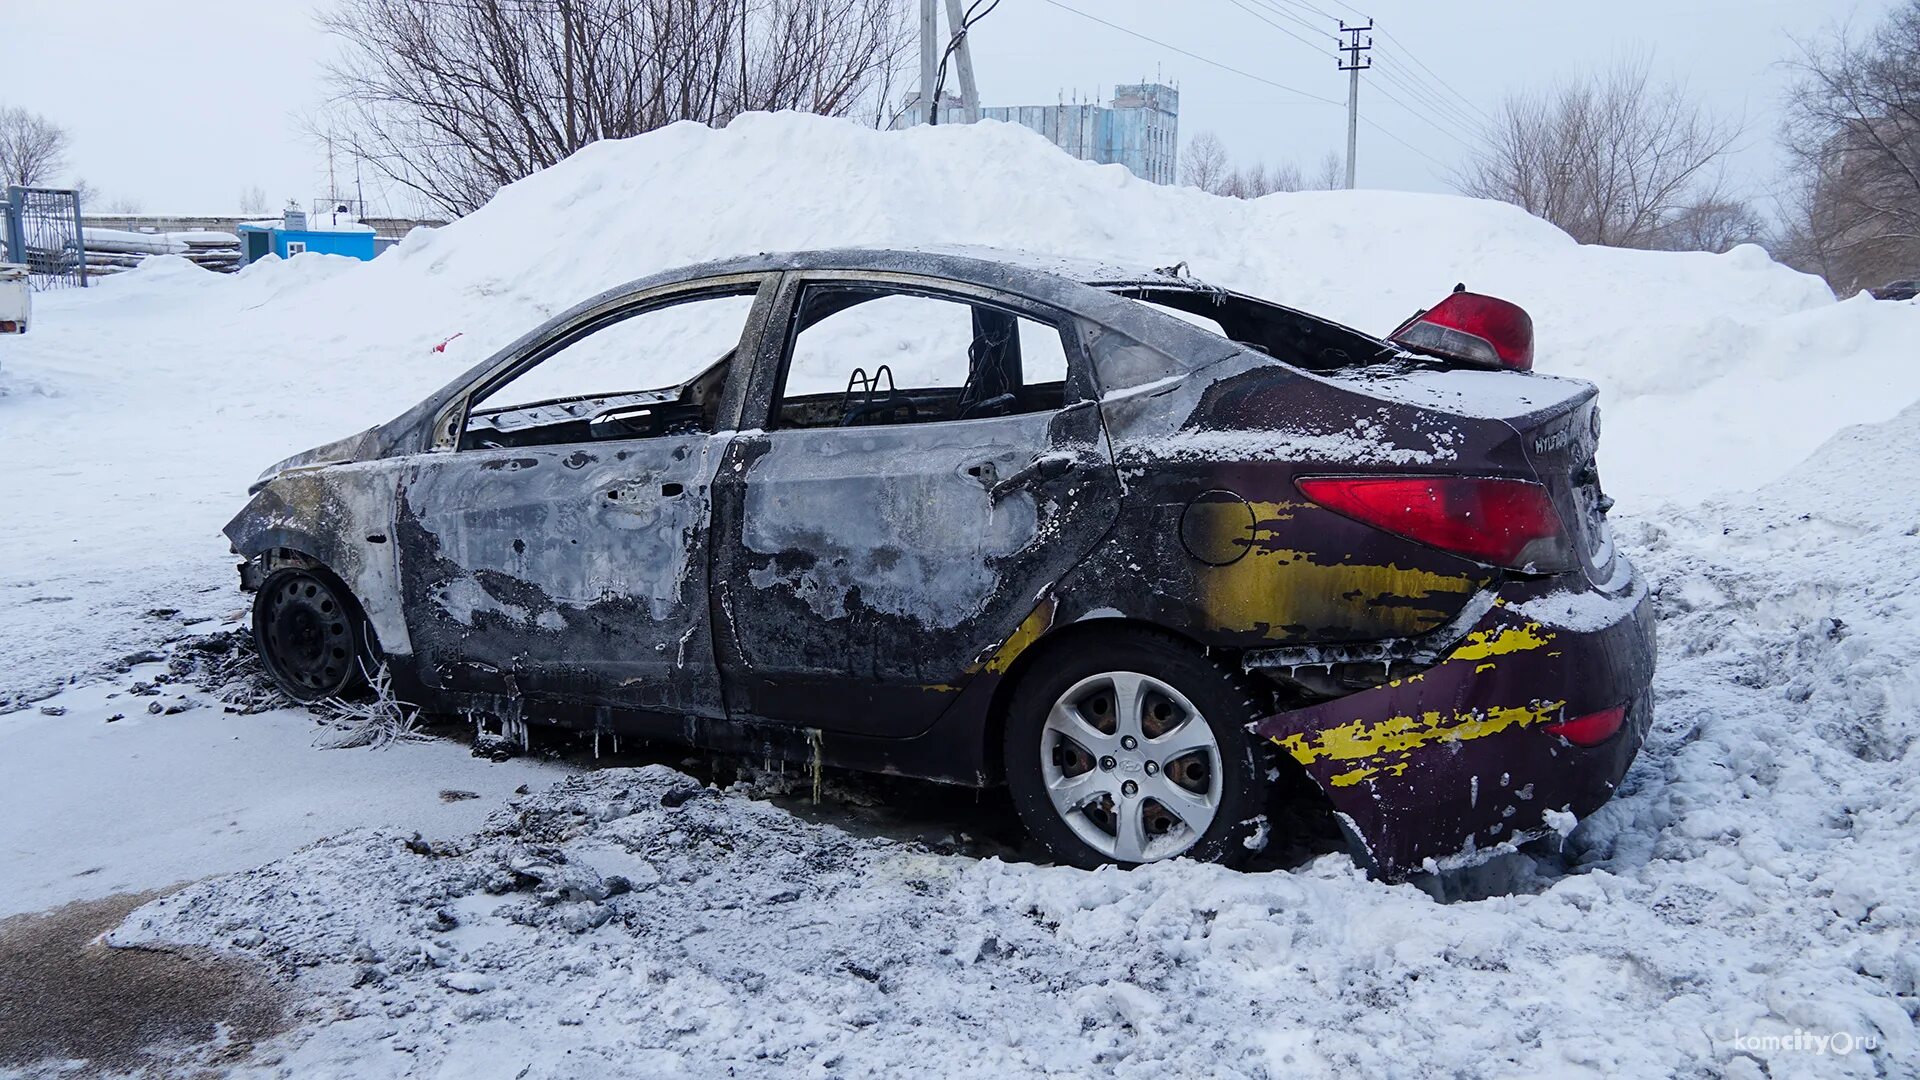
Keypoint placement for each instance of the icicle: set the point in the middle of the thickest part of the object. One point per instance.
(813, 742)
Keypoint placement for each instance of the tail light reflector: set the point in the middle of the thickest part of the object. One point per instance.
(1591, 729)
(1505, 522)
(1473, 329)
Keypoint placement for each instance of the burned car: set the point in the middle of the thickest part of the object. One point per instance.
(1146, 551)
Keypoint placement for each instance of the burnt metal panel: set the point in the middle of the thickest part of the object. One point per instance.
(342, 517)
(575, 571)
(1454, 759)
(863, 576)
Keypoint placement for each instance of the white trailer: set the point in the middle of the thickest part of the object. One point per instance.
(16, 299)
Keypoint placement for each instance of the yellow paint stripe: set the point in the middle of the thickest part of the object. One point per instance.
(1368, 744)
(1501, 640)
(1028, 632)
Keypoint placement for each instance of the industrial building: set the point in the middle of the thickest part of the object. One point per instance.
(1140, 129)
(338, 231)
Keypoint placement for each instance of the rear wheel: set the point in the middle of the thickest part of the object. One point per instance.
(1132, 749)
(311, 634)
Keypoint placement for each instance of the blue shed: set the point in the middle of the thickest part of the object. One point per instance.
(333, 233)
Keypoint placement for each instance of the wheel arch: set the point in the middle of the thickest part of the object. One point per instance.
(340, 519)
(1295, 790)
(1049, 644)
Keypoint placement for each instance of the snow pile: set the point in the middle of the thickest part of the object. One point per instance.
(1753, 881)
(1746, 906)
(1717, 371)
(137, 412)
(1754, 878)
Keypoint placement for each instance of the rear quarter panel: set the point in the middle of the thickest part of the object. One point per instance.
(1215, 542)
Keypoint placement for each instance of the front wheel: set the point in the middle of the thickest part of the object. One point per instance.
(311, 634)
(1134, 749)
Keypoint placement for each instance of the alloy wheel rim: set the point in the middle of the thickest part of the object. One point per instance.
(1131, 766)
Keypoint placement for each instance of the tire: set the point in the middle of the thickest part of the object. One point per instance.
(311, 634)
(1067, 720)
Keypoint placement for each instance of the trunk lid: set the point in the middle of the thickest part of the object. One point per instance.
(1556, 426)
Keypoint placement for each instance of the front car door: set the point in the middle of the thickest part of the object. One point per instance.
(931, 460)
(559, 548)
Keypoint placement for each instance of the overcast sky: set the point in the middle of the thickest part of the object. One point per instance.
(180, 107)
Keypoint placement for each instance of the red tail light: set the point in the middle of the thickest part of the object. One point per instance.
(1508, 523)
(1591, 729)
(1472, 329)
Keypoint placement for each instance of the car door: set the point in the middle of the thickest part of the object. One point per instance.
(932, 459)
(560, 550)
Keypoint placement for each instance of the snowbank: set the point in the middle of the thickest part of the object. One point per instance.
(1754, 878)
(169, 388)
(1719, 371)
(1750, 890)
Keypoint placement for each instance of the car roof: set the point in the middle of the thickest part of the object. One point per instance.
(973, 263)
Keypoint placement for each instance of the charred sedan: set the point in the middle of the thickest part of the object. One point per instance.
(1146, 551)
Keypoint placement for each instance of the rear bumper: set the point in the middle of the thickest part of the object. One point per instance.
(1433, 770)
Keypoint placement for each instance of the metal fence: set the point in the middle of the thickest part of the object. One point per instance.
(43, 232)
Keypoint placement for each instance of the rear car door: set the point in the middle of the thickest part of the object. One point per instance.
(560, 550)
(932, 459)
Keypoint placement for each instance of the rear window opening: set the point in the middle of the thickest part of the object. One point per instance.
(1282, 333)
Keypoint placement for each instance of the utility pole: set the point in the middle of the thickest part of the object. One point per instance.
(929, 58)
(1353, 66)
(963, 59)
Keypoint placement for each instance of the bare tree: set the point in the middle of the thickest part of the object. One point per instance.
(1204, 165)
(33, 149)
(1716, 224)
(454, 99)
(1207, 166)
(1852, 137)
(253, 200)
(1611, 159)
(1331, 176)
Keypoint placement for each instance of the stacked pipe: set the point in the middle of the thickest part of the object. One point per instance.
(113, 251)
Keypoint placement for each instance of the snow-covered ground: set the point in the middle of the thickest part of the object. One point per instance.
(1755, 878)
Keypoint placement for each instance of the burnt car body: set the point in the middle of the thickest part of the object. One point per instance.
(866, 574)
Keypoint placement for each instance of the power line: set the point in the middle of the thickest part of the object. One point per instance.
(1439, 112)
(1320, 11)
(1443, 91)
(1370, 122)
(1256, 14)
(1193, 55)
(1428, 105)
(1464, 140)
(1270, 5)
(1392, 68)
(1447, 102)
(1434, 161)
(1409, 54)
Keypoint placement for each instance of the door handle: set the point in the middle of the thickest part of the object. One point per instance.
(1049, 466)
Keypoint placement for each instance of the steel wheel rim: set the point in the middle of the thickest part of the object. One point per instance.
(305, 636)
(1149, 788)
